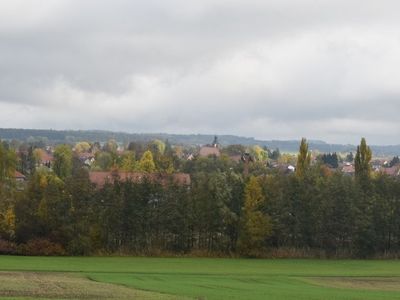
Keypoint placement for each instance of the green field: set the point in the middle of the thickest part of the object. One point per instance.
(196, 278)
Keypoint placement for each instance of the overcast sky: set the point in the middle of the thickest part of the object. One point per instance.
(270, 69)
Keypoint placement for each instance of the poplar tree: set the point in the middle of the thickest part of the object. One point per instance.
(303, 158)
(362, 160)
(63, 161)
(365, 203)
(8, 161)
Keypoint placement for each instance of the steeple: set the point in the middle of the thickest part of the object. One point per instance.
(215, 142)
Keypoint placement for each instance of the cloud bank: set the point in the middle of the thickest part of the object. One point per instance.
(274, 69)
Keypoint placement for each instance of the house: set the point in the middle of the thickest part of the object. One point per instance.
(86, 158)
(210, 149)
(19, 177)
(392, 171)
(190, 157)
(348, 169)
(284, 168)
(207, 151)
(44, 158)
(378, 164)
(20, 181)
(101, 177)
(236, 158)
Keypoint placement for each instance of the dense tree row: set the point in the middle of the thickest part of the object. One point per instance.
(221, 212)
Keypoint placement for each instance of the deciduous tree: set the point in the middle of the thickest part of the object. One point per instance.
(362, 160)
(255, 225)
(146, 163)
(63, 161)
(303, 159)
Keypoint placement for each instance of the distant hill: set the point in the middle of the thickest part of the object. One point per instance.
(71, 136)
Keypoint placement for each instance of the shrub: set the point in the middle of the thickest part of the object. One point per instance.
(7, 247)
(44, 247)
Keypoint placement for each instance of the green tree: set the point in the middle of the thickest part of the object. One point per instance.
(30, 221)
(31, 161)
(7, 191)
(366, 200)
(63, 161)
(81, 213)
(111, 146)
(274, 155)
(104, 160)
(234, 150)
(169, 151)
(350, 157)
(212, 197)
(395, 161)
(8, 160)
(336, 213)
(157, 147)
(165, 164)
(128, 163)
(146, 163)
(330, 159)
(259, 153)
(232, 220)
(82, 147)
(137, 148)
(303, 159)
(362, 160)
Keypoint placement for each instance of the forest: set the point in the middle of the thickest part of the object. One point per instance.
(74, 136)
(230, 208)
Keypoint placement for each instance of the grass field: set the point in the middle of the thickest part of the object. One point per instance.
(201, 278)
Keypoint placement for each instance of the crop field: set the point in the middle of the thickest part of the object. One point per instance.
(196, 278)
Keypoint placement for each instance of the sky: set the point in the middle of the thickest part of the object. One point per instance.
(269, 69)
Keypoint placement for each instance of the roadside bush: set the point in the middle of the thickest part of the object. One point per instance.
(80, 245)
(7, 247)
(288, 252)
(37, 247)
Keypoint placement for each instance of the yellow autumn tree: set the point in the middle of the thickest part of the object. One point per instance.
(255, 225)
(259, 153)
(128, 163)
(146, 163)
(82, 147)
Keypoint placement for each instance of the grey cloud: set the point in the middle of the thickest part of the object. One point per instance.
(270, 69)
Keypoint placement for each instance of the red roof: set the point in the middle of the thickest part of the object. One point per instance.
(392, 171)
(207, 151)
(100, 178)
(349, 169)
(45, 157)
(18, 175)
(236, 158)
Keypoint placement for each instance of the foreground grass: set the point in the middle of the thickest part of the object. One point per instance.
(227, 278)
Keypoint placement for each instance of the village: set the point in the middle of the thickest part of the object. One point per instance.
(110, 160)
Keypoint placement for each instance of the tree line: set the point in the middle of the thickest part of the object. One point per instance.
(314, 211)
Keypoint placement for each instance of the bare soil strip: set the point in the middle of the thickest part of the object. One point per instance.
(360, 283)
(67, 286)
